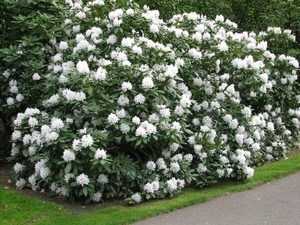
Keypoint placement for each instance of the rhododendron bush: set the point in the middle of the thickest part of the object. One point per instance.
(139, 107)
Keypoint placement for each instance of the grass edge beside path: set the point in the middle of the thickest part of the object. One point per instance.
(123, 214)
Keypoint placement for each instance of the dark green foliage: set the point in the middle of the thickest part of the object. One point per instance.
(26, 31)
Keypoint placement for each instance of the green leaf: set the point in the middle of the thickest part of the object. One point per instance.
(68, 168)
(85, 191)
(90, 90)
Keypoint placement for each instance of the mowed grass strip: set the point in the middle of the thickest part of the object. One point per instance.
(16, 209)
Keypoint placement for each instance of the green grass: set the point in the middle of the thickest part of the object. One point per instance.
(16, 209)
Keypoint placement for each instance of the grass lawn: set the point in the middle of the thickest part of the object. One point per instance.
(17, 209)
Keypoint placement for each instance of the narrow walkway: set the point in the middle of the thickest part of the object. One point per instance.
(275, 203)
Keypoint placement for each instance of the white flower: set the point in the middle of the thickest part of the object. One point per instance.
(125, 128)
(179, 110)
(174, 147)
(36, 76)
(82, 67)
(147, 83)
(100, 74)
(148, 188)
(112, 119)
(141, 132)
(136, 120)
(16, 135)
(121, 113)
(44, 172)
(32, 122)
(172, 184)
(123, 100)
(223, 47)
(127, 42)
(82, 179)
(165, 112)
(87, 141)
(188, 157)
(20, 183)
(220, 173)
(10, 101)
(174, 167)
(185, 101)
(75, 145)
(100, 154)
(139, 99)
(18, 167)
(201, 168)
(57, 123)
(80, 15)
(151, 165)
(68, 156)
(136, 198)
(102, 179)
(154, 28)
(63, 45)
(97, 197)
(112, 39)
(176, 126)
(249, 172)
(126, 86)
(19, 97)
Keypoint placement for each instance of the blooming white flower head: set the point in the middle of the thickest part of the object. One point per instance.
(148, 187)
(154, 28)
(176, 126)
(223, 47)
(68, 155)
(123, 100)
(121, 113)
(18, 167)
(32, 122)
(174, 167)
(112, 119)
(82, 67)
(63, 45)
(44, 172)
(100, 74)
(19, 97)
(136, 120)
(75, 145)
(195, 53)
(174, 147)
(137, 198)
(82, 179)
(139, 99)
(100, 154)
(151, 165)
(147, 82)
(172, 184)
(179, 110)
(20, 183)
(125, 128)
(127, 42)
(249, 172)
(102, 179)
(126, 86)
(137, 50)
(10, 101)
(36, 76)
(165, 112)
(87, 141)
(97, 197)
(57, 123)
(201, 168)
(112, 39)
(141, 132)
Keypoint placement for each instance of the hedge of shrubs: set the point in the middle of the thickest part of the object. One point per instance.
(137, 107)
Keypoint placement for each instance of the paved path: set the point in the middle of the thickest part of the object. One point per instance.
(275, 203)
